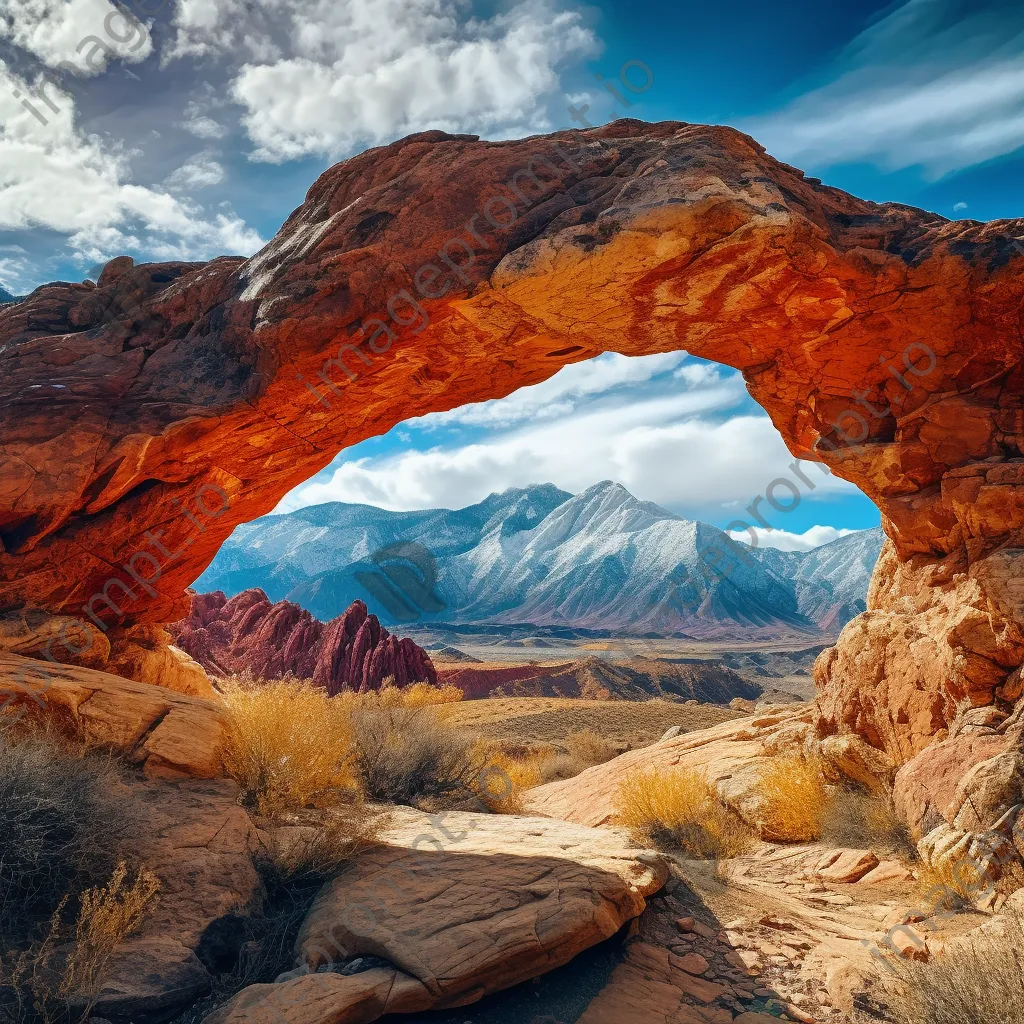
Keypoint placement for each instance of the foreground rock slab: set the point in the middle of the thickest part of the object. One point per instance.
(461, 905)
(169, 734)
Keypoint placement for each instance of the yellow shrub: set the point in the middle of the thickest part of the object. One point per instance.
(680, 808)
(505, 778)
(107, 916)
(794, 797)
(289, 745)
(423, 694)
(587, 747)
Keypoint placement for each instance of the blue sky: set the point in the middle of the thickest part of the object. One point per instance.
(195, 130)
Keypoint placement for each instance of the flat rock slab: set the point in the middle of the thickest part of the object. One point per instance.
(171, 735)
(462, 905)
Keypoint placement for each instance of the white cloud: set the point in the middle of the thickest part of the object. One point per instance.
(664, 448)
(322, 78)
(935, 83)
(559, 394)
(53, 176)
(785, 541)
(199, 171)
(204, 127)
(86, 33)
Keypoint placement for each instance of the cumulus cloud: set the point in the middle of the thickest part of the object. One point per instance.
(785, 541)
(56, 177)
(558, 395)
(936, 83)
(86, 33)
(199, 171)
(670, 448)
(322, 78)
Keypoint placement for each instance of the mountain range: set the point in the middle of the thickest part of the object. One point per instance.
(601, 561)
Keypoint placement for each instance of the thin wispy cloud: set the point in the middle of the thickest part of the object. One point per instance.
(937, 84)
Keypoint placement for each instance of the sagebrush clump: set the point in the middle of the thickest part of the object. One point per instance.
(975, 980)
(289, 745)
(680, 809)
(64, 823)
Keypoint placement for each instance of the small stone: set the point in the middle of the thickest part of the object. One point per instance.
(685, 924)
(692, 963)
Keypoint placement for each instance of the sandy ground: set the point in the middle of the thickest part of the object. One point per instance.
(623, 723)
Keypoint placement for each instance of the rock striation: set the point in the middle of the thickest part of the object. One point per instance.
(249, 633)
(145, 418)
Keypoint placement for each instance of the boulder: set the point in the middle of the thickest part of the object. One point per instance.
(169, 734)
(200, 844)
(731, 756)
(462, 905)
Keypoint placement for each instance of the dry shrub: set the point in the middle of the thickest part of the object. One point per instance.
(419, 695)
(794, 798)
(951, 885)
(106, 917)
(60, 981)
(680, 808)
(505, 777)
(320, 849)
(855, 818)
(588, 748)
(289, 745)
(976, 980)
(64, 824)
(408, 756)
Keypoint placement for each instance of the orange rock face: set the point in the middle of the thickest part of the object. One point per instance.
(141, 420)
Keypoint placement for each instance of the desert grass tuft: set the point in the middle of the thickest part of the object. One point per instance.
(974, 980)
(856, 818)
(680, 809)
(588, 748)
(794, 796)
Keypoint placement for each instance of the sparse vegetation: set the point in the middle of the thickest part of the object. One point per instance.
(588, 748)
(405, 755)
(106, 917)
(856, 818)
(58, 979)
(680, 809)
(974, 981)
(289, 746)
(64, 825)
(794, 797)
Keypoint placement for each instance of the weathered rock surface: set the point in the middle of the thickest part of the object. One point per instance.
(200, 844)
(248, 632)
(143, 419)
(171, 735)
(461, 905)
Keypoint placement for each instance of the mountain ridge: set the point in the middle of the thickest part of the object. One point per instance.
(599, 560)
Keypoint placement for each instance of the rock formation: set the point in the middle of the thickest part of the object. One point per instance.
(141, 420)
(456, 910)
(247, 632)
(168, 735)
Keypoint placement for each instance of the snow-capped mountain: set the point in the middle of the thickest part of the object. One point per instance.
(600, 560)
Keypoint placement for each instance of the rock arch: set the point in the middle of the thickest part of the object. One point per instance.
(142, 419)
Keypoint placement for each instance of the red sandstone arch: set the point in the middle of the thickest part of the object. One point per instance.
(141, 420)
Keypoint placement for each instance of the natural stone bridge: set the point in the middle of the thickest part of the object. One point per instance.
(141, 420)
